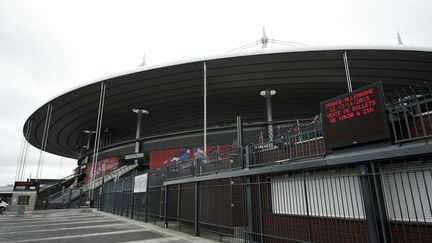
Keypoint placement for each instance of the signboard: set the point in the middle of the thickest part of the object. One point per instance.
(140, 183)
(355, 118)
(134, 156)
(25, 186)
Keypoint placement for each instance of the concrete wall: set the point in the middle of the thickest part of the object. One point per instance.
(26, 208)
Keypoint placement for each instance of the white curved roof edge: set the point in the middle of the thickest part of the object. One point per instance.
(240, 54)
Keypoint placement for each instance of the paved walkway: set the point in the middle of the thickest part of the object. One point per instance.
(84, 225)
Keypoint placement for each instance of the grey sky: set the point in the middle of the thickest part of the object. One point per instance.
(47, 47)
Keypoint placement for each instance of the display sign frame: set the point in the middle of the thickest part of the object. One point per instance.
(26, 186)
(348, 118)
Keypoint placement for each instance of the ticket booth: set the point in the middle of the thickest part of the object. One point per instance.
(24, 197)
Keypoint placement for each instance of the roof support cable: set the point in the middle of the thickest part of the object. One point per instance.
(45, 144)
(97, 138)
(44, 141)
(282, 42)
(264, 41)
(347, 72)
(19, 164)
(240, 48)
(25, 155)
(21, 154)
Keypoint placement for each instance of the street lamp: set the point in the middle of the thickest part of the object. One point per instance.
(268, 93)
(89, 132)
(139, 112)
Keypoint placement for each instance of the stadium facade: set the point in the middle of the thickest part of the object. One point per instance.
(194, 146)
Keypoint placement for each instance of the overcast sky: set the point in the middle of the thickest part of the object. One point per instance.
(47, 47)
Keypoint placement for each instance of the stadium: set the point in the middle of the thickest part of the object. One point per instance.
(243, 147)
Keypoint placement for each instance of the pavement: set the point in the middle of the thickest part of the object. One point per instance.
(84, 225)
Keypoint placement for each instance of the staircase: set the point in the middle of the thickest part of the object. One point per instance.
(60, 183)
(62, 196)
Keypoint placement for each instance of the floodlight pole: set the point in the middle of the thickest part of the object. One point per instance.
(268, 94)
(139, 113)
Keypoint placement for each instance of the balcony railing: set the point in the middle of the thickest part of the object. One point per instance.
(409, 113)
(302, 142)
(299, 143)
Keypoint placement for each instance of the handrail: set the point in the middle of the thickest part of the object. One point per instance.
(86, 186)
(306, 141)
(66, 178)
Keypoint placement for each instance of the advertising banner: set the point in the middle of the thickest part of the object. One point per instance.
(104, 167)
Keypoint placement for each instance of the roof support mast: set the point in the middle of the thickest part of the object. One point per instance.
(264, 39)
(264, 43)
(347, 72)
(44, 141)
(97, 137)
(23, 153)
(205, 109)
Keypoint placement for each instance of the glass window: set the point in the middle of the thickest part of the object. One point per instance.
(23, 200)
(332, 193)
(407, 188)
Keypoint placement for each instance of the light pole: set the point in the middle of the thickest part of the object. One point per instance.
(268, 94)
(139, 112)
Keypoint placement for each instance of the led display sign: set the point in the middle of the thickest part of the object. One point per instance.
(355, 118)
(26, 186)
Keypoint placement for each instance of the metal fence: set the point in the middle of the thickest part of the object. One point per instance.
(380, 201)
(117, 197)
(181, 207)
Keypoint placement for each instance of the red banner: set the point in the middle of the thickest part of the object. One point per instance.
(104, 167)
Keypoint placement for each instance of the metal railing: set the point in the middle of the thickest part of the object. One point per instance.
(303, 142)
(70, 194)
(409, 113)
(59, 183)
(181, 170)
(220, 162)
(214, 163)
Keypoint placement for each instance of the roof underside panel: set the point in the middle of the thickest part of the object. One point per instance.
(174, 94)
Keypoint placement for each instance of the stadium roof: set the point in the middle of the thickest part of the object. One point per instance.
(302, 77)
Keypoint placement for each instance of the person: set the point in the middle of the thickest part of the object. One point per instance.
(175, 159)
(199, 155)
(87, 203)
